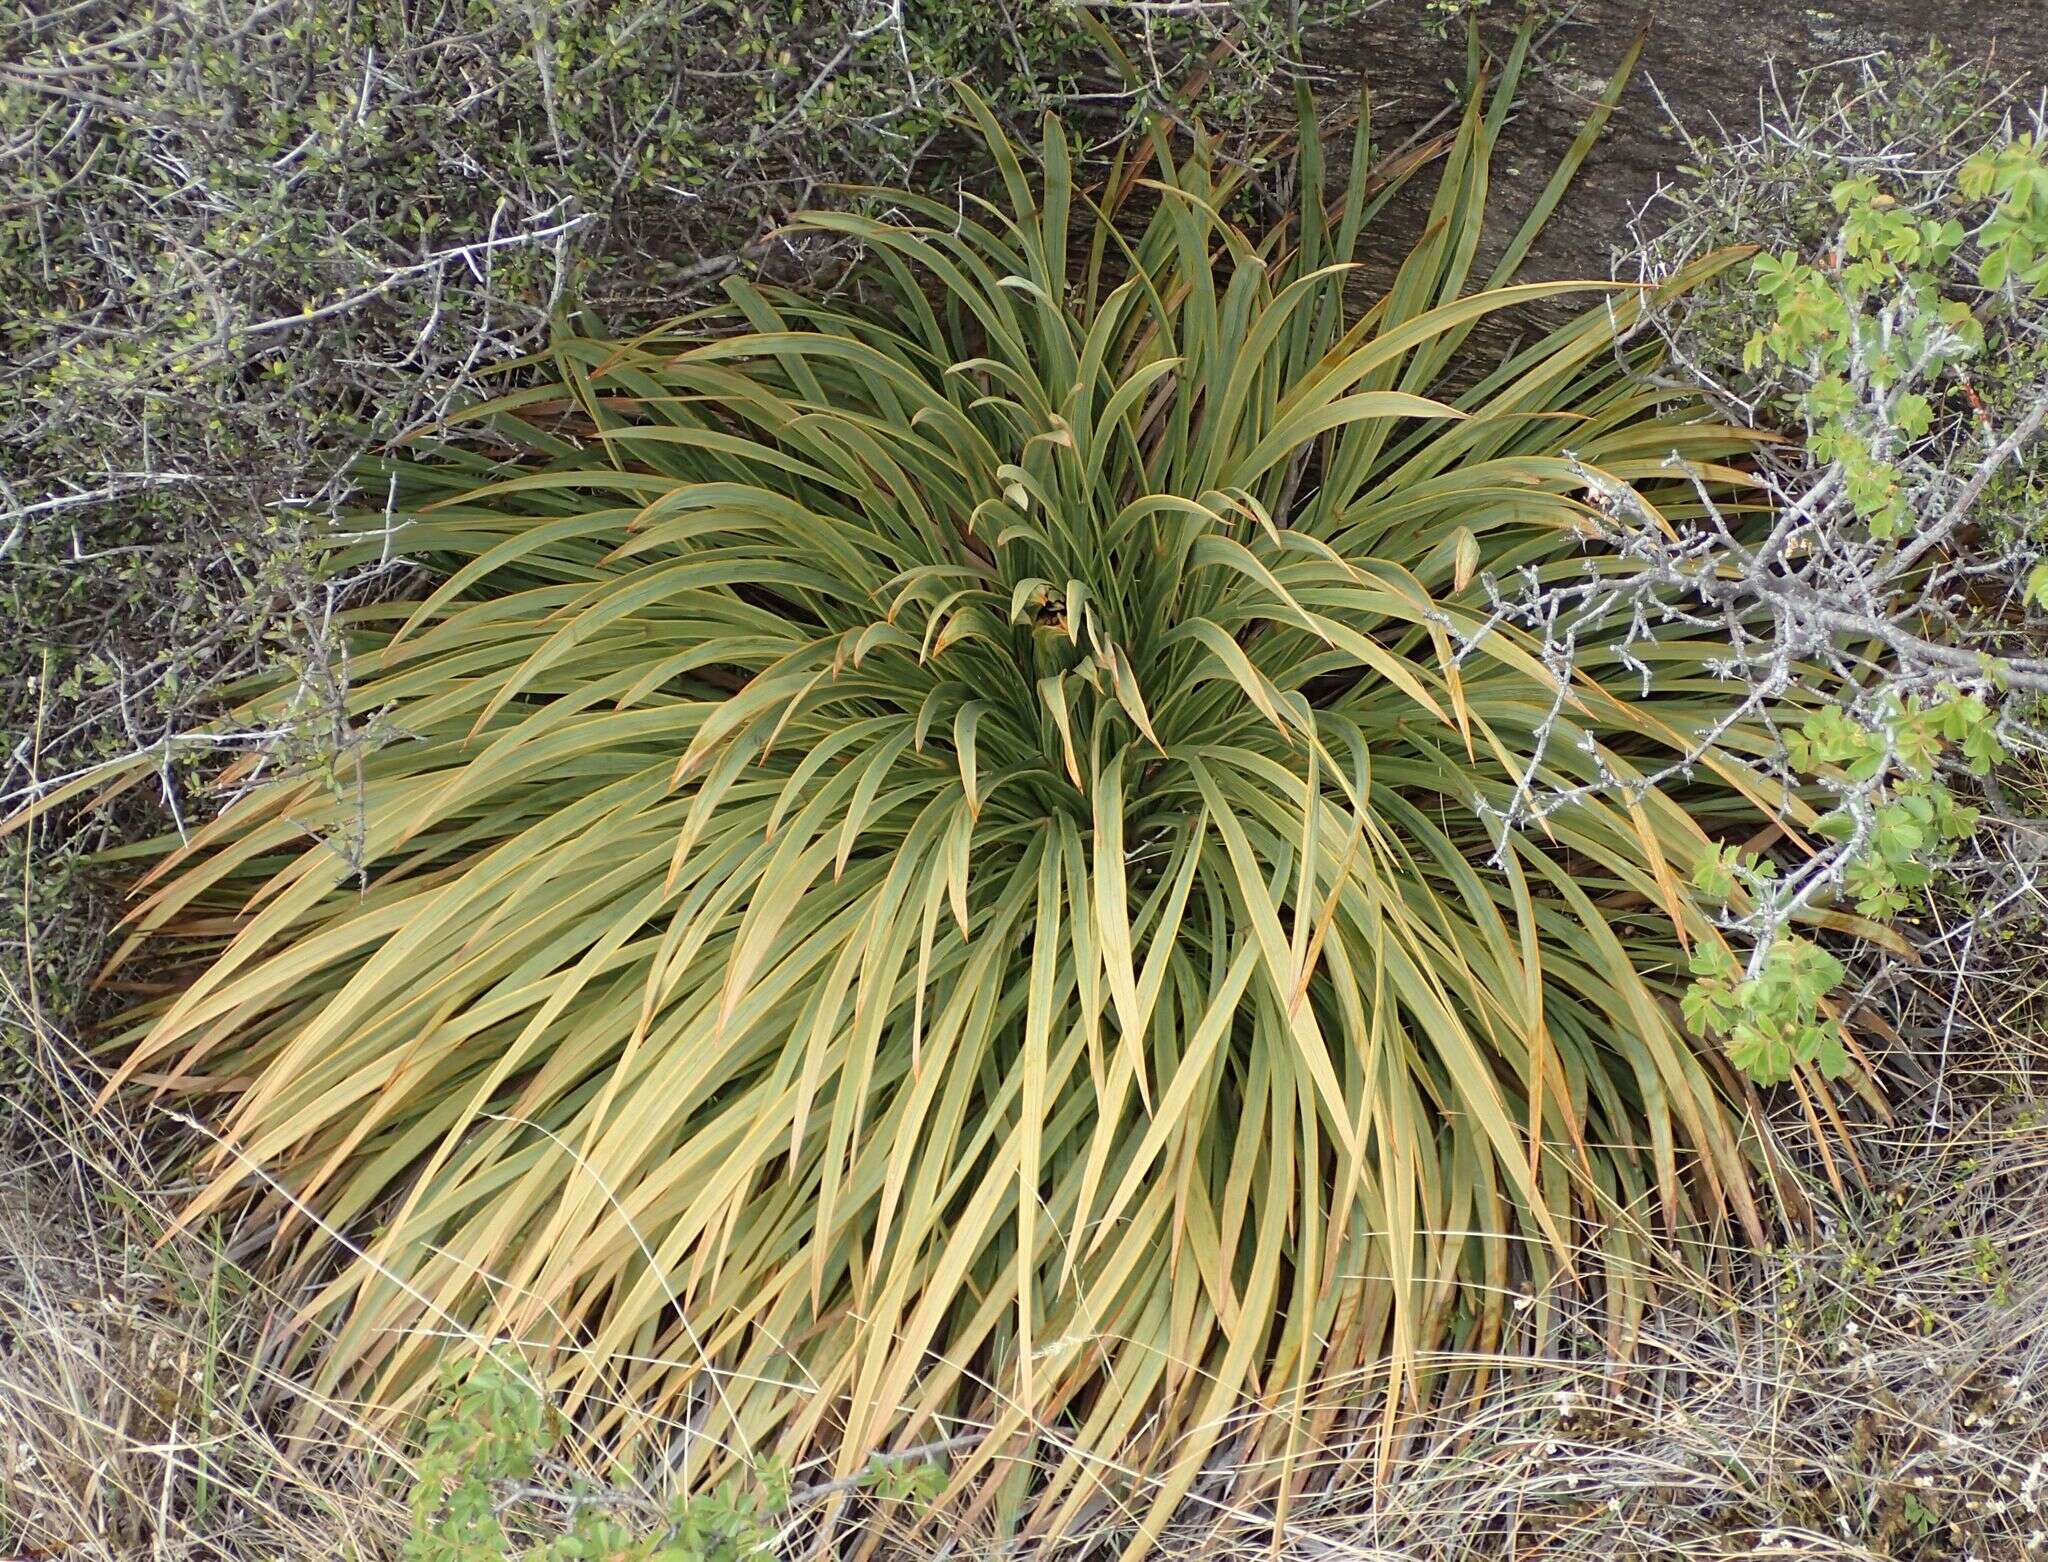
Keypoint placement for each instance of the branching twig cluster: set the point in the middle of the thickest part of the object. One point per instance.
(1881, 563)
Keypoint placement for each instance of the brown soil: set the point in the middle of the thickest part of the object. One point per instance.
(1706, 65)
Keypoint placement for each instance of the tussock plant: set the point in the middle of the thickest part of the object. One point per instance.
(929, 864)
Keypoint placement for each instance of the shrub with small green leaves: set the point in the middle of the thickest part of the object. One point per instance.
(489, 1426)
(1872, 333)
(481, 1456)
(1771, 1020)
(1895, 326)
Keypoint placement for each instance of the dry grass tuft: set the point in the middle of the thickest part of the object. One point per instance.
(135, 1394)
(1881, 1392)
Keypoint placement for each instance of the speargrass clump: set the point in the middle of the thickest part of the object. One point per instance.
(936, 860)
